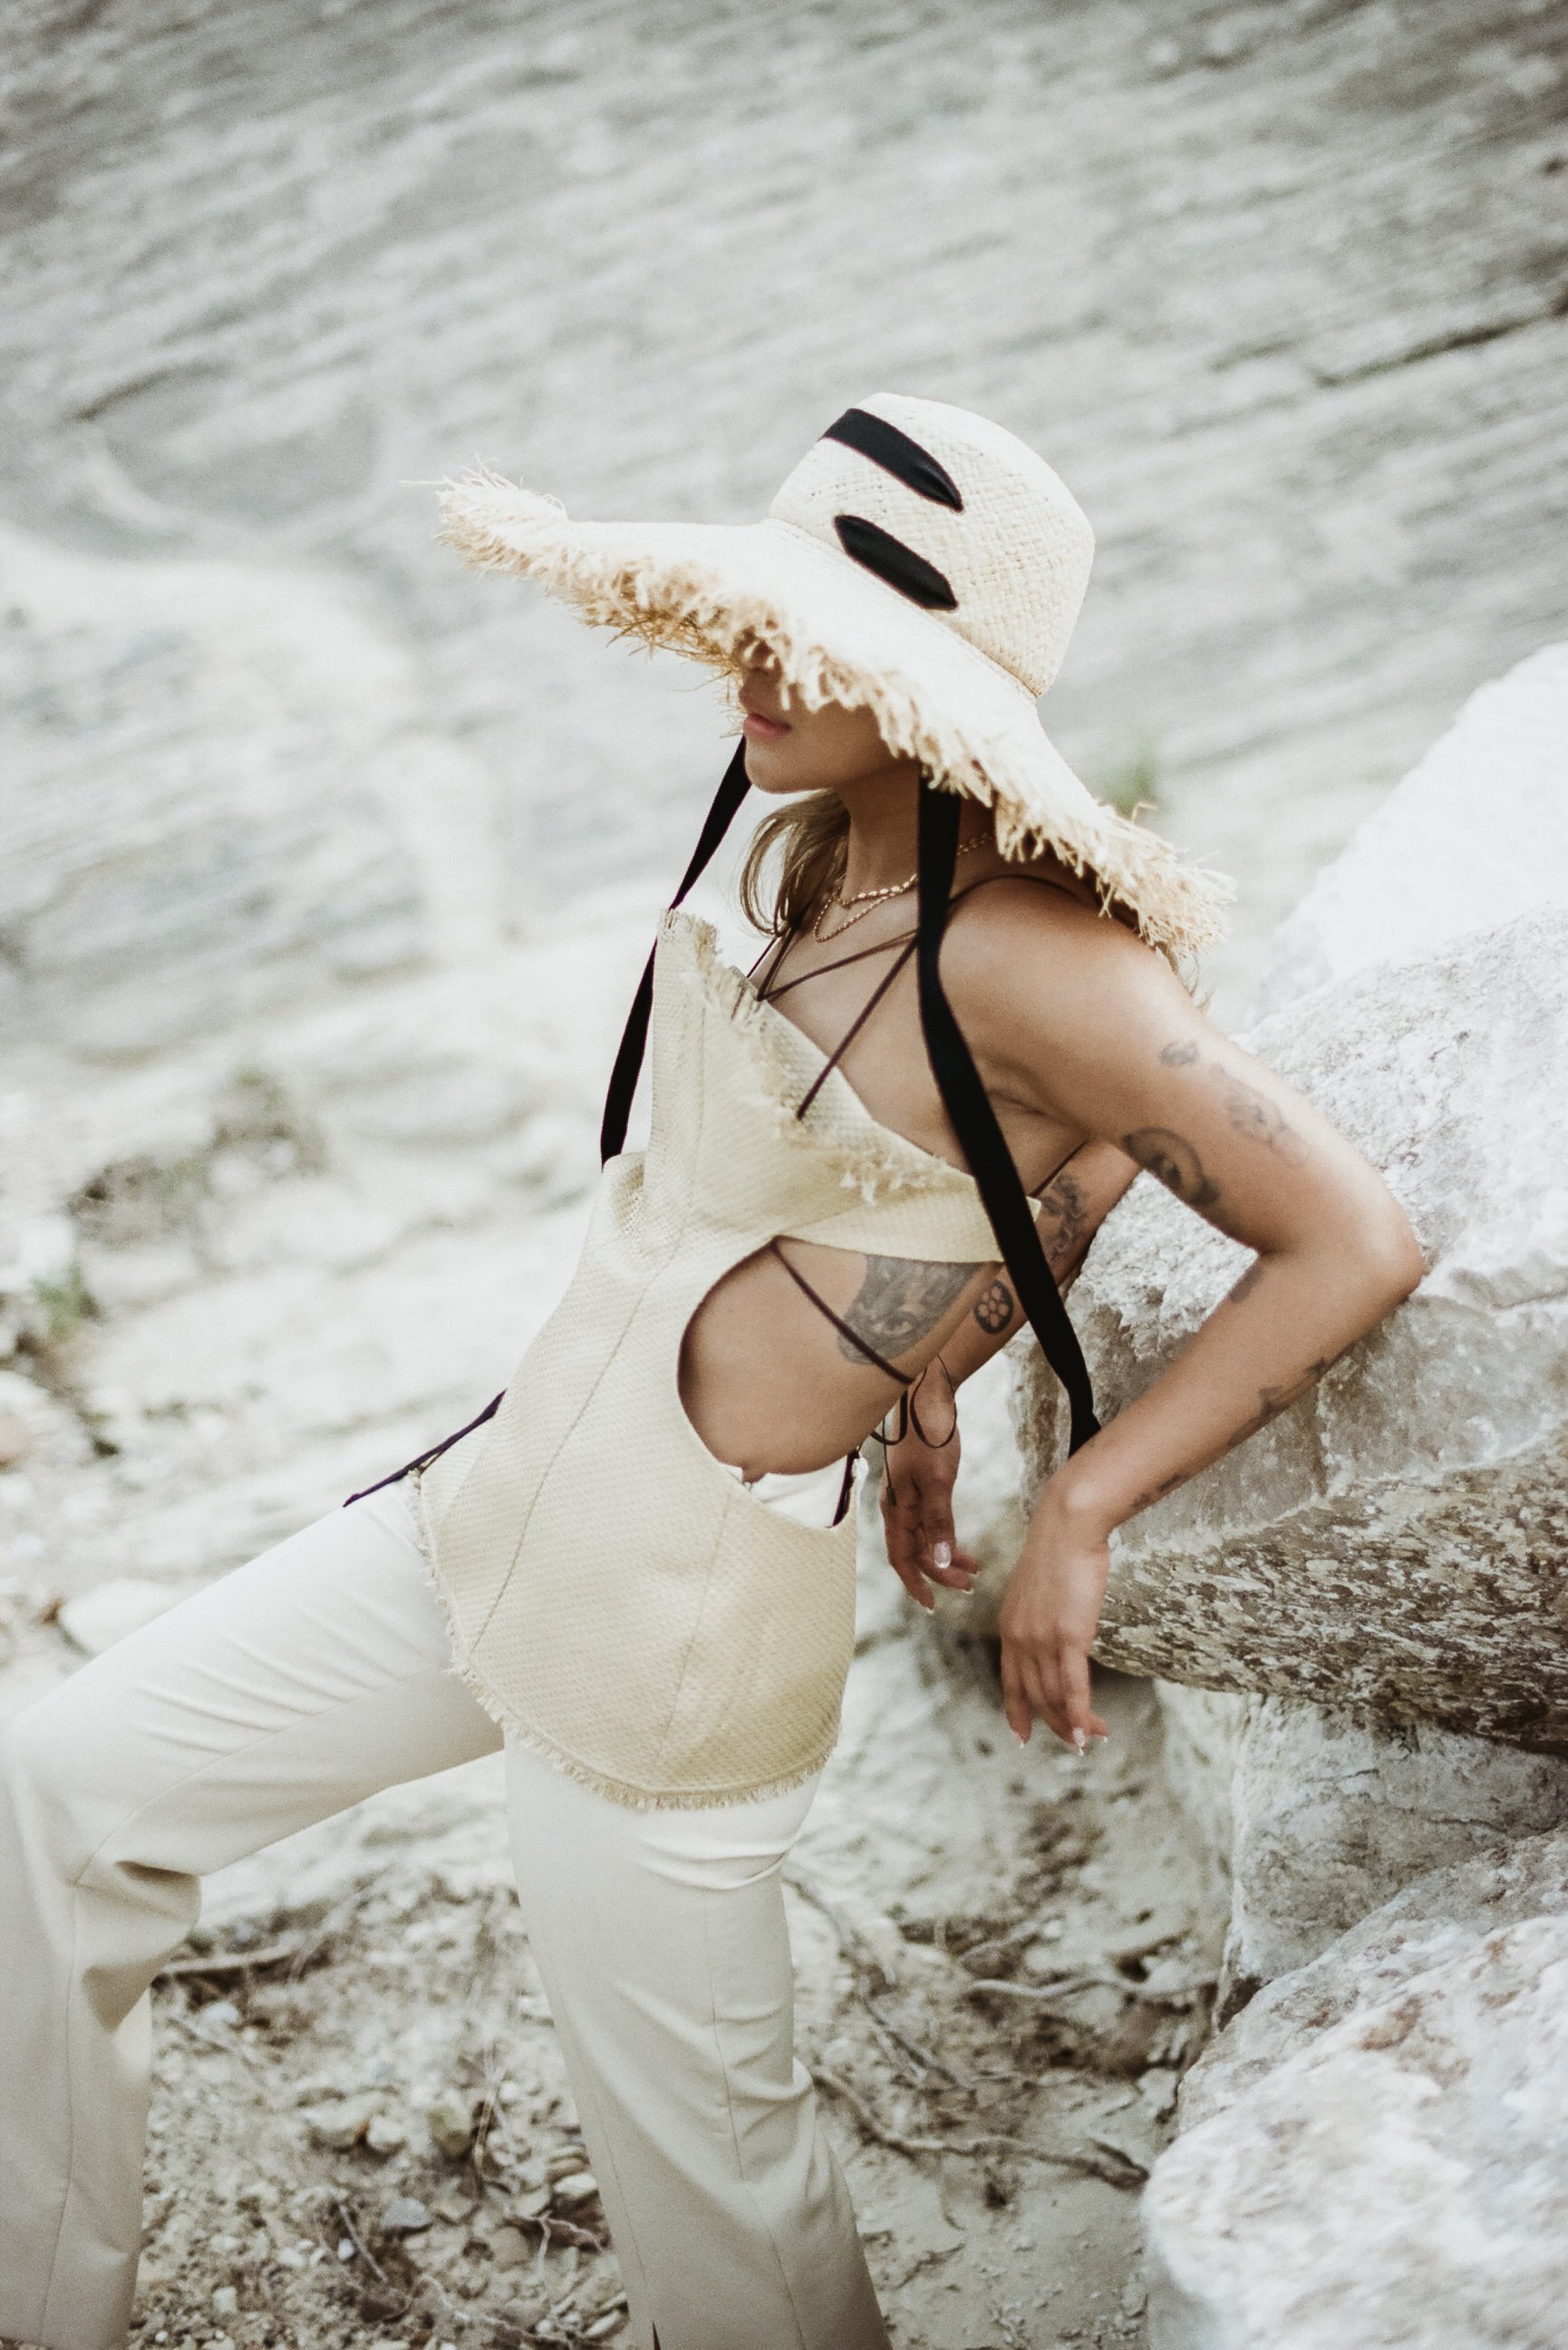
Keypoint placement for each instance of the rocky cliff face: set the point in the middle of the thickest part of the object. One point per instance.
(1281, 290)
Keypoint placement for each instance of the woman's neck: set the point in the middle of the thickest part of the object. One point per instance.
(883, 848)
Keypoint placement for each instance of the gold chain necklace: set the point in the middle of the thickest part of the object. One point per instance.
(866, 898)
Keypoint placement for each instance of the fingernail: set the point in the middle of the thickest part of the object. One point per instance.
(1079, 1741)
(944, 1554)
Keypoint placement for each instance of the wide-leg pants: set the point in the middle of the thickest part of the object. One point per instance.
(283, 1694)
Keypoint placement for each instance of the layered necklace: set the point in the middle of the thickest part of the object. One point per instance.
(866, 899)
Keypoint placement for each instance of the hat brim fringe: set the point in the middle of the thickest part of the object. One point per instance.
(681, 601)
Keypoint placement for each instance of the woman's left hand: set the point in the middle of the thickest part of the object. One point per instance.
(918, 1517)
(1049, 1620)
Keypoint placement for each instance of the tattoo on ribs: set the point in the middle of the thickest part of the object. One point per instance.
(1179, 1056)
(1173, 1159)
(899, 1300)
(995, 1308)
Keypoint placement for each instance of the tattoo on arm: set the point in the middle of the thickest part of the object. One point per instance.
(995, 1307)
(1157, 1492)
(1063, 1221)
(1249, 1111)
(1256, 1115)
(1168, 1156)
(900, 1299)
(1272, 1400)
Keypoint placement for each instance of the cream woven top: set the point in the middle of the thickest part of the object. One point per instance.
(617, 1600)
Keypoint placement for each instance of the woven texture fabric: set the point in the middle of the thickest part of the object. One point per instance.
(1017, 555)
(615, 1599)
(956, 690)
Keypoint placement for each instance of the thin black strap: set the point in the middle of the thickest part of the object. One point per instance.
(846, 1490)
(857, 1341)
(975, 1122)
(731, 791)
(423, 1459)
(850, 1034)
(820, 970)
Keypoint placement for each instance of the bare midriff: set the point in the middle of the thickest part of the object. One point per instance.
(773, 1379)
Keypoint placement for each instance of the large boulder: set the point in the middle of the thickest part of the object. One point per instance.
(1376, 2152)
(1397, 1543)
(1476, 835)
(1329, 1813)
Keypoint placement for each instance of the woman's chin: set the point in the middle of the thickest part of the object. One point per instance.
(769, 768)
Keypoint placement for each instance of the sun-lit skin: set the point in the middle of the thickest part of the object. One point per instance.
(1098, 1064)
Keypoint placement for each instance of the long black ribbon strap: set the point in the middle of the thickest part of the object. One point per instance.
(975, 1122)
(627, 1067)
(731, 791)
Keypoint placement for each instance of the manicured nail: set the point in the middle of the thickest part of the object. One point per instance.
(942, 1553)
(1079, 1741)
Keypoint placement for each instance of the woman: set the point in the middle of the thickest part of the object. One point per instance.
(643, 1552)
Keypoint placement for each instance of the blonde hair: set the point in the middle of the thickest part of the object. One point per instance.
(810, 838)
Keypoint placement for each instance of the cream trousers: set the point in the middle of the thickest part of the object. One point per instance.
(281, 1694)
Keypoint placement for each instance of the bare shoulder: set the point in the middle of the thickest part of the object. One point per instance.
(1026, 956)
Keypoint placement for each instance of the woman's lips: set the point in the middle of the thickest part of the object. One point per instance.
(758, 729)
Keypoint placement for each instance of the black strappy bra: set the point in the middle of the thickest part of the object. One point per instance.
(767, 992)
(984, 1145)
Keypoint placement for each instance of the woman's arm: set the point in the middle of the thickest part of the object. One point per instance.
(918, 1488)
(1076, 1016)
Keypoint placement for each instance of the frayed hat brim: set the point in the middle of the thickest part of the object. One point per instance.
(713, 591)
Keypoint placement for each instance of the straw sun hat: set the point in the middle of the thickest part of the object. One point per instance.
(918, 560)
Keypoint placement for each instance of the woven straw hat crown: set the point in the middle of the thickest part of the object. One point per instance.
(1015, 551)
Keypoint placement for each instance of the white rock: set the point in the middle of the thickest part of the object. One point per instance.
(1401, 2180)
(450, 2118)
(96, 1619)
(1331, 1815)
(1322, 1814)
(1476, 835)
(1396, 1541)
(1443, 1916)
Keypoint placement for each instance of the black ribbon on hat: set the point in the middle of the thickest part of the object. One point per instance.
(866, 543)
(878, 550)
(874, 437)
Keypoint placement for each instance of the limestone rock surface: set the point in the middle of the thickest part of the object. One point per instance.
(1274, 287)
(1331, 1813)
(1476, 833)
(1401, 2185)
(1397, 1543)
(1376, 2150)
(1444, 1915)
